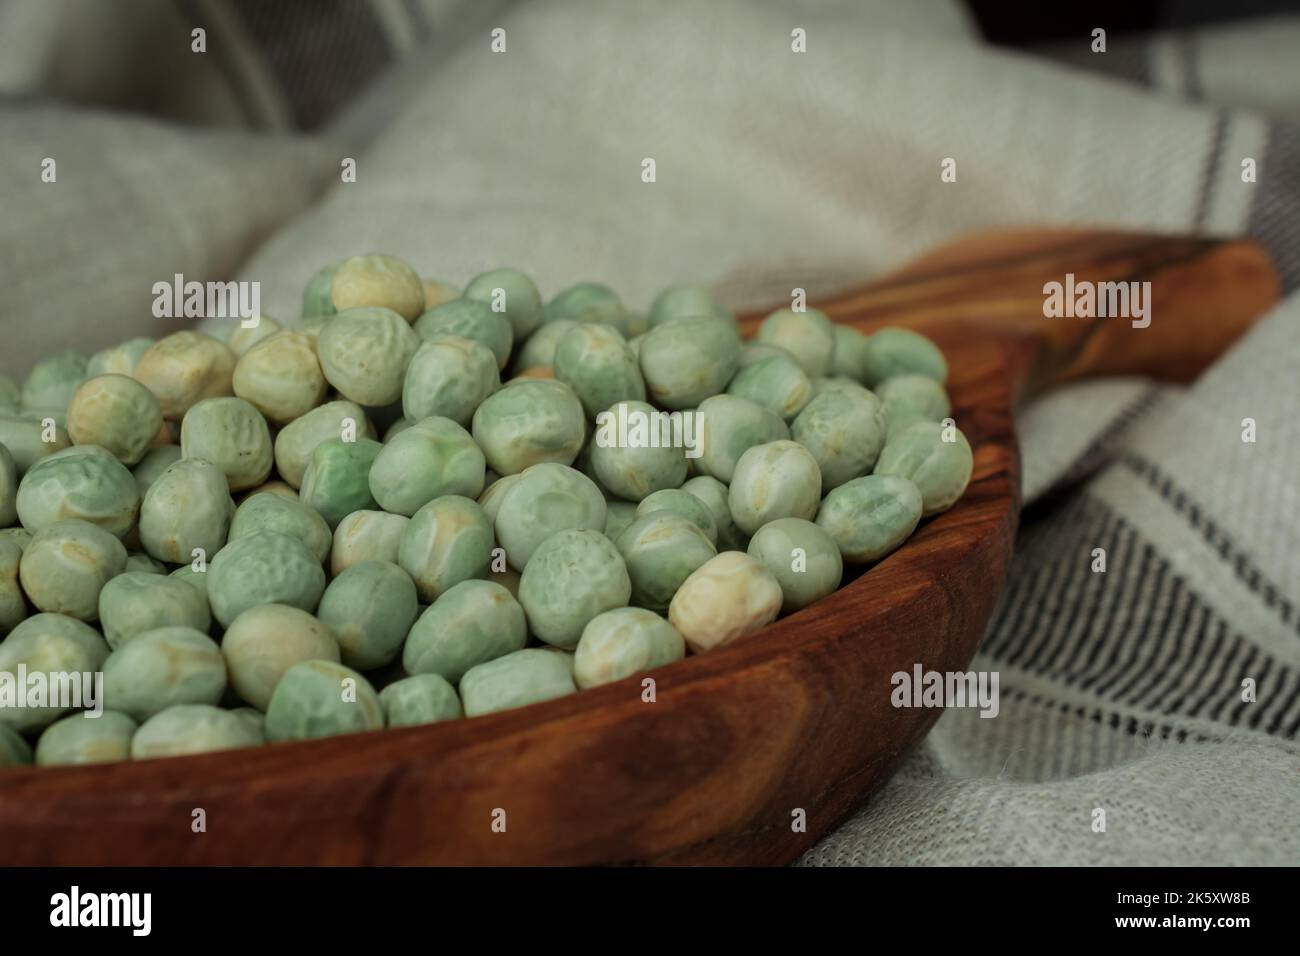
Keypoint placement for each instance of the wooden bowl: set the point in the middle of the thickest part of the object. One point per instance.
(737, 741)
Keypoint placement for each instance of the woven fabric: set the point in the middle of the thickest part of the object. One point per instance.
(1121, 691)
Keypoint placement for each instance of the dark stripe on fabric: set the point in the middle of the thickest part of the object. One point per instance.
(1106, 718)
(218, 46)
(1210, 171)
(322, 52)
(1145, 650)
(1275, 212)
(1242, 566)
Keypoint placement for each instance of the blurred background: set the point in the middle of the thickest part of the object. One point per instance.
(772, 165)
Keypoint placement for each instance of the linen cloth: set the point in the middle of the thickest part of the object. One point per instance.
(1121, 691)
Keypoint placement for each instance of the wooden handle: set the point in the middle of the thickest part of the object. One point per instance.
(1203, 294)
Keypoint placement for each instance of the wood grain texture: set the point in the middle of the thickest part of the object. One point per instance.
(795, 717)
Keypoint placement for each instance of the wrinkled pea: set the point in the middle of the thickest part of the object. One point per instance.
(778, 383)
(528, 676)
(684, 505)
(470, 623)
(375, 281)
(264, 568)
(432, 458)
(232, 434)
(804, 559)
(447, 541)
(79, 739)
(419, 699)
(267, 511)
(469, 319)
(364, 353)
(778, 480)
(366, 536)
(644, 462)
(322, 699)
(624, 642)
(726, 598)
(893, 351)
(685, 361)
(594, 360)
(298, 439)
(135, 602)
(572, 576)
(449, 376)
(186, 510)
(935, 457)
(265, 641)
(184, 368)
(116, 413)
(83, 483)
(845, 431)
(809, 336)
(163, 668)
(871, 516)
(51, 644)
(547, 498)
(369, 609)
(337, 481)
(66, 566)
(529, 422)
(281, 377)
(193, 729)
(513, 294)
(661, 550)
(728, 427)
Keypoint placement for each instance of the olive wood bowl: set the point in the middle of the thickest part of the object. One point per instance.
(737, 740)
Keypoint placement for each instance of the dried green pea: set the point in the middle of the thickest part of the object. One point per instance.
(53, 380)
(316, 298)
(547, 498)
(728, 427)
(937, 458)
(662, 549)
(618, 516)
(162, 668)
(377, 281)
(685, 361)
(915, 397)
(469, 623)
(193, 729)
(808, 335)
(845, 431)
(14, 750)
(495, 493)
(13, 607)
(281, 377)
(528, 422)
(26, 440)
(638, 463)
(449, 376)
(447, 541)
(264, 568)
(570, 578)
(369, 609)
(471, 320)
(624, 642)
(184, 368)
(8, 488)
(436, 292)
(594, 360)
(244, 336)
(893, 351)
(322, 699)
(83, 483)
(232, 434)
(337, 481)
(116, 413)
(265, 641)
(685, 505)
(153, 464)
(778, 383)
(588, 302)
(538, 351)
(118, 359)
(419, 699)
(66, 566)
(135, 602)
(804, 559)
(725, 599)
(298, 439)
(684, 301)
(432, 458)
(513, 294)
(364, 353)
(714, 495)
(366, 536)
(849, 360)
(529, 676)
(187, 509)
(51, 644)
(778, 480)
(267, 511)
(79, 739)
(871, 516)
